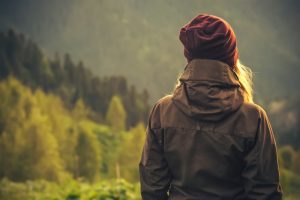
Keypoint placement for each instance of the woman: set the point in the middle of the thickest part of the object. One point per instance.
(208, 140)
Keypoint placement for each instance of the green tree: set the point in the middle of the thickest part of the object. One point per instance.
(130, 152)
(63, 127)
(116, 115)
(88, 152)
(107, 140)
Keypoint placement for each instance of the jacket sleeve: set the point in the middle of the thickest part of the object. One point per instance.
(155, 177)
(260, 172)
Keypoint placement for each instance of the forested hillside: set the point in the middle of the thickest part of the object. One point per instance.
(61, 124)
(23, 59)
(41, 139)
(138, 39)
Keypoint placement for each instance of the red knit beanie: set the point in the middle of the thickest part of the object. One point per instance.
(209, 37)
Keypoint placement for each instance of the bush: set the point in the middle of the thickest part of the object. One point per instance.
(44, 190)
(287, 156)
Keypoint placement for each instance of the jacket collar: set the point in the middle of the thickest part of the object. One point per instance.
(209, 90)
(211, 71)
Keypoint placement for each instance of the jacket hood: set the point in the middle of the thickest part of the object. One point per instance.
(209, 90)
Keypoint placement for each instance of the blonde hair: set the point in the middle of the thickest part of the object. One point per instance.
(245, 75)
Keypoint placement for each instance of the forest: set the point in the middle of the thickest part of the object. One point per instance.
(138, 40)
(60, 123)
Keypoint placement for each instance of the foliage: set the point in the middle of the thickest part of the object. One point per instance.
(29, 149)
(290, 183)
(88, 153)
(116, 115)
(43, 190)
(289, 171)
(296, 163)
(41, 139)
(38, 135)
(130, 151)
(287, 155)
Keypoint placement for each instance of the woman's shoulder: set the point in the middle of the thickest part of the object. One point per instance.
(165, 99)
(163, 102)
(253, 109)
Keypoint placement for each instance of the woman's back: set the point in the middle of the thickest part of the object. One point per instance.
(205, 142)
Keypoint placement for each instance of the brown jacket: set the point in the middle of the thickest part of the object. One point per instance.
(205, 143)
